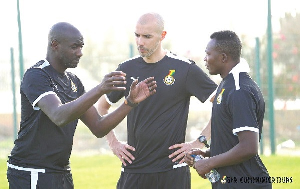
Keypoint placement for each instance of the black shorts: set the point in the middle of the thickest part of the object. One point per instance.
(21, 179)
(179, 178)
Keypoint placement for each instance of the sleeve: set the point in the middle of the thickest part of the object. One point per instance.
(35, 85)
(115, 96)
(242, 108)
(198, 83)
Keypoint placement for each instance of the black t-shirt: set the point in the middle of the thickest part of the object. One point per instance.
(238, 106)
(160, 121)
(40, 143)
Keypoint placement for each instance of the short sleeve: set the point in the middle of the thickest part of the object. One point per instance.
(115, 96)
(35, 85)
(243, 110)
(198, 83)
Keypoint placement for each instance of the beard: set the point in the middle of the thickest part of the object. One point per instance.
(68, 62)
(148, 52)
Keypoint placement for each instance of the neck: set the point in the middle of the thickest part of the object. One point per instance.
(54, 63)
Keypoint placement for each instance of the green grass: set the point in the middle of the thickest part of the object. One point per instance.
(103, 171)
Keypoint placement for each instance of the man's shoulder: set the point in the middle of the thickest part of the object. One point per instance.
(132, 60)
(179, 58)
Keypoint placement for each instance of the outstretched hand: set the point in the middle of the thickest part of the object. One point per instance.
(142, 90)
(113, 81)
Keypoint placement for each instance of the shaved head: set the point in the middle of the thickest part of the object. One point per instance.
(62, 31)
(65, 44)
(152, 17)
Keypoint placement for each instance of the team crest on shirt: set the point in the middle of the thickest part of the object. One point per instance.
(219, 98)
(169, 79)
(73, 87)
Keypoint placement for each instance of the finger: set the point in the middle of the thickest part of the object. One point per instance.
(134, 83)
(125, 157)
(181, 161)
(178, 157)
(129, 157)
(122, 160)
(152, 87)
(116, 73)
(117, 79)
(149, 79)
(175, 146)
(179, 151)
(129, 147)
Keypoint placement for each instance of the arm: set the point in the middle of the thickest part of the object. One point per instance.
(244, 150)
(120, 149)
(100, 126)
(62, 114)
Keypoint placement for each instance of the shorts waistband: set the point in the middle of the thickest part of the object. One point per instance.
(33, 172)
(174, 166)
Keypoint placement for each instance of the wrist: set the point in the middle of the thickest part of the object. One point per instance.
(202, 139)
(129, 102)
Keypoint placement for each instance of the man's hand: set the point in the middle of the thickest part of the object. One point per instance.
(120, 149)
(112, 82)
(183, 149)
(140, 91)
(200, 165)
(191, 160)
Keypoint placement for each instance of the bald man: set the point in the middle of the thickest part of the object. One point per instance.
(153, 154)
(52, 101)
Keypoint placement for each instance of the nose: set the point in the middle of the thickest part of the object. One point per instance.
(79, 52)
(139, 41)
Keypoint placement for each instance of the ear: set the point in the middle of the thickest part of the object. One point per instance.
(224, 57)
(163, 35)
(54, 44)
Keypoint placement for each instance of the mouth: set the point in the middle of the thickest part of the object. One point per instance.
(141, 49)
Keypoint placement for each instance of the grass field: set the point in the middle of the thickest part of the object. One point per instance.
(102, 172)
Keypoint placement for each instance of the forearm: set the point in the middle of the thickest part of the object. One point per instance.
(74, 109)
(207, 130)
(236, 155)
(111, 120)
(111, 137)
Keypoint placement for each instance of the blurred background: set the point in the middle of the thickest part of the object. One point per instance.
(108, 28)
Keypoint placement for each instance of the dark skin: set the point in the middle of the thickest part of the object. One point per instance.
(64, 51)
(221, 63)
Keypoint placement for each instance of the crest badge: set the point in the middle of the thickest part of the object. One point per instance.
(73, 87)
(219, 99)
(169, 79)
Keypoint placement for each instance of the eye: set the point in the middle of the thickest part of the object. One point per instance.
(148, 36)
(136, 35)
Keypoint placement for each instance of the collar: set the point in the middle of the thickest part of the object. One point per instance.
(242, 66)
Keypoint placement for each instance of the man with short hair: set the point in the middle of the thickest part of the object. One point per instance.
(237, 119)
(52, 101)
(153, 157)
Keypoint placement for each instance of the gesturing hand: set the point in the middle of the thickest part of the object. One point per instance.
(142, 90)
(113, 81)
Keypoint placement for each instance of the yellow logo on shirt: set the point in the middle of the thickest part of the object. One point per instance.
(169, 79)
(73, 87)
(223, 181)
(219, 99)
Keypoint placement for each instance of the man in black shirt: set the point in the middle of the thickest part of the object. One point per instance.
(156, 129)
(237, 119)
(52, 101)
